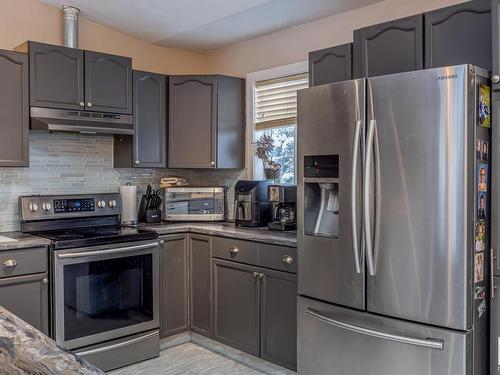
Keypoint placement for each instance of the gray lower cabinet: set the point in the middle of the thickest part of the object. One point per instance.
(206, 114)
(147, 148)
(236, 296)
(459, 34)
(14, 109)
(174, 290)
(278, 339)
(27, 297)
(330, 65)
(390, 47)
(108, 82)
(56, 76)
(200, 284)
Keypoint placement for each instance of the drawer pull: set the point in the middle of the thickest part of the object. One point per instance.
(10, 263)
(45, 281)
(234, 250)
(287, 259)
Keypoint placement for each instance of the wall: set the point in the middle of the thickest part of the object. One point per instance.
(22, 20)
(65, 163)
(293, 44)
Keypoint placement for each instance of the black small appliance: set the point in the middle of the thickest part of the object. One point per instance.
(251, 206)
(283, 199)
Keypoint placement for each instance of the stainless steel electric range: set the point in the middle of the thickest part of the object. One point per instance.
(104, 277)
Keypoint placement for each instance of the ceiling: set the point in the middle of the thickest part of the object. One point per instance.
(205, 24)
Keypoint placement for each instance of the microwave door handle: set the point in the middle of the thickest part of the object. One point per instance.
(366, 198)
(354, 179)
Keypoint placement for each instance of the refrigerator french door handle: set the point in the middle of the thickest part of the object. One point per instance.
(354, 179)
(492, 273)
(428, 343)
(366, 198)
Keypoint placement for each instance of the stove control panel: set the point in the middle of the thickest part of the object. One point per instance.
(74, 205)
(45, 207)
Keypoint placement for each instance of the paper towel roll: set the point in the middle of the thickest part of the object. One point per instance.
(129, 204)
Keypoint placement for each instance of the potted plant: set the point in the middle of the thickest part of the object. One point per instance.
(265, 147)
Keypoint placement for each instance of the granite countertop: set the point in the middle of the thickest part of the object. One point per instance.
(227, 230)
(25, 350)
(19, 240)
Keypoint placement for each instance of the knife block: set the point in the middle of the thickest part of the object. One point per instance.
(153, 216)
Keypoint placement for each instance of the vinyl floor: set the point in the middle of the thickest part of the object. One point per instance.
(188, 359)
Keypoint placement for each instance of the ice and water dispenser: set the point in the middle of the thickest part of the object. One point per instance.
(321, 195)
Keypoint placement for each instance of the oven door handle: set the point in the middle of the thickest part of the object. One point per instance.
(107, 251)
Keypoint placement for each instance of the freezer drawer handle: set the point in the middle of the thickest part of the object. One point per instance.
(107, 251)
(425, 343)
(354, 180)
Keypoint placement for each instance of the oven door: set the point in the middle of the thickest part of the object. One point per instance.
(106, 292)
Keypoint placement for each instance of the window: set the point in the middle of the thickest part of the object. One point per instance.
(275, 123)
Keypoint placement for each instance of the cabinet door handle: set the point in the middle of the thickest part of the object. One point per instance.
(495, 78)
(234, 250)
(287, 259)
(212, 164)
(136, 162)
(261, 275)
(45, 281)
(89, 104)
(255, 274)
(10, 263)
(82, 104)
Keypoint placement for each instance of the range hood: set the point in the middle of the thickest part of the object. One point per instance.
(84, 122)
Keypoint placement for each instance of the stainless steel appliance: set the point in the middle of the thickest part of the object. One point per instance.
(81, 121)
(284, 200)
(104, 277)
(390, 281)
(189, 203)
(251, 206)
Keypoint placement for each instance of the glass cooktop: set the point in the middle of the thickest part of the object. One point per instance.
(92, 236)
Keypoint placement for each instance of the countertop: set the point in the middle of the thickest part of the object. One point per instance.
(25, 350)
(263, 235)
(19, 240)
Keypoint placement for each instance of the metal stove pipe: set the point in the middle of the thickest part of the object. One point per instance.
(70, 26)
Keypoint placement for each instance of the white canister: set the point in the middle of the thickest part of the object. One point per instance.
(128, 195)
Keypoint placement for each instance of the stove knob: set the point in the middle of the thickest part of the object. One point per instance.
(33, 207)
(101, 204)
(112, 203)
(46, 207)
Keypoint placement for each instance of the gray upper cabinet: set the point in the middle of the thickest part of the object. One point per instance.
(56, 76)
(391, 47)
(495, 14)
(14, 109)
(150, 120)
(108, 82)
(206, 114)
(174, 285)
(460, 34)
(236, 305)
(279, 318)
(200, 284)
(330, 65)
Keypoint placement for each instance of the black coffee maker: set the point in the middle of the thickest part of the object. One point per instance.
(284, 201)
(251, 206)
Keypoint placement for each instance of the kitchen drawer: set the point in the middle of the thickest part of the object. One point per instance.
(281, 258)
(24, 262)
(236, 250)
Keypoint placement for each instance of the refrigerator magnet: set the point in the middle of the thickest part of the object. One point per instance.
(478, 267)
(480, 238)
(479, 145)
(484, 106)
(481, 206)
(479, 292)
(482, 308)
(482, 177)
(484, 151)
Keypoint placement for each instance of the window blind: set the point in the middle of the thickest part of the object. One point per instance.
(275, 101)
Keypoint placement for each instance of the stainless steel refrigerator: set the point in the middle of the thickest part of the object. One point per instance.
(393, 269)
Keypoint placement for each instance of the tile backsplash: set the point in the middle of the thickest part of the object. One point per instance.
(66, 163)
